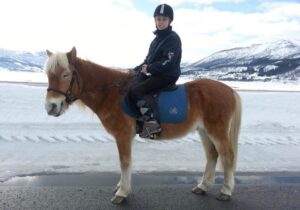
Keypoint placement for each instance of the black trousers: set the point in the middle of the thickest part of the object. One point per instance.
(142, 88)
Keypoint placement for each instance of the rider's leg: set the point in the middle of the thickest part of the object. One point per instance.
(147, 104)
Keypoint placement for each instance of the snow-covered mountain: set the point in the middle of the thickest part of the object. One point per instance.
(275, 60)
(22, 61)
(269, 61)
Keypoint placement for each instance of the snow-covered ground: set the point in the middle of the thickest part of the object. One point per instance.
(40, 77)
(33, 142)
(18, 76)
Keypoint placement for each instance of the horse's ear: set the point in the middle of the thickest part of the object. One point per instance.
(49, 53)
(72, 56)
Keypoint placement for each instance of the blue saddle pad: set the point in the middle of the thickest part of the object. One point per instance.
(172, 105)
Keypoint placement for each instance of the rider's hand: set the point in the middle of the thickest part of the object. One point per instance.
(131, 71)
(144, 68)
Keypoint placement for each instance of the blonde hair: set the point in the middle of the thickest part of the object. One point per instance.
(53, 60)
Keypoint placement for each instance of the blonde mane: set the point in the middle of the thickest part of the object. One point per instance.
(60, 59)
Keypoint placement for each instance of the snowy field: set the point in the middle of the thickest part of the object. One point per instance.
(31, 142)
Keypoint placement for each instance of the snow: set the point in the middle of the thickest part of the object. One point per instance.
(274, 50)
(22, 61)
(19, 76)
(34, 143)
(258, 85)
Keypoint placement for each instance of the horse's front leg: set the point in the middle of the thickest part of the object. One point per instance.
(124, 186)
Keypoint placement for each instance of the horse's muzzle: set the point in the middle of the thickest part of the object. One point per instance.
(54, 109)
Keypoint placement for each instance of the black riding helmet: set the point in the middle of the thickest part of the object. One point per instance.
(164, 10)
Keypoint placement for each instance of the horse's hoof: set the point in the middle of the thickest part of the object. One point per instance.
(198, 191)
(116, 189)
(117, 200)
(223, 197)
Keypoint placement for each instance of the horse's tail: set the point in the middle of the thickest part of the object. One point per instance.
(235, 126)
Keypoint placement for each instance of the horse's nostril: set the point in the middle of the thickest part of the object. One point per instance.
(53, 106)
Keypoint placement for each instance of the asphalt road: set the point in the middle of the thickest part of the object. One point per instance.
(254, 191)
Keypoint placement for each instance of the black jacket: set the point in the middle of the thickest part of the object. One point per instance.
(164, 55)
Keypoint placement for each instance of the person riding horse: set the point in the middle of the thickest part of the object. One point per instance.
(160, 69)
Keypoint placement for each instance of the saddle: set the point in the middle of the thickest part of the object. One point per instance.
(172, 104)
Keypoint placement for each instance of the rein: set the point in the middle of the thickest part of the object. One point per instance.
(68, 93)
(118, 84)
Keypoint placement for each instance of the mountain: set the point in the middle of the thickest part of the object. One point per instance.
(270, 61)
(259, 62)
(22, 61)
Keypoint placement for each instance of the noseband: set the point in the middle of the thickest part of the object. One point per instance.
(68, 93)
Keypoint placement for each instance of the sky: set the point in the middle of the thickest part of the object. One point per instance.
(118, 32)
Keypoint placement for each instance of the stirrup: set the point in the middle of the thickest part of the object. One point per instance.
(150, 129)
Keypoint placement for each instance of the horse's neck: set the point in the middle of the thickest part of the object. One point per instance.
(96, 77)
(99, 85)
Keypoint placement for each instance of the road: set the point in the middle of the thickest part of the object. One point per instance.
(164, 190)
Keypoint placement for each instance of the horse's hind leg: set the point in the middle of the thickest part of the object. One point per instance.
(227, 157)
(208, 178)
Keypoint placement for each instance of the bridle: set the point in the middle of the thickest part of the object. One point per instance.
(68, 93)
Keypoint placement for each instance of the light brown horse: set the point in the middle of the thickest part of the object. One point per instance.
(214, 110)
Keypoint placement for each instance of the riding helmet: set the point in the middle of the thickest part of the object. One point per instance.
(164, 10)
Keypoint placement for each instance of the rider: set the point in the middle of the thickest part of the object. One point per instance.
(160, 69)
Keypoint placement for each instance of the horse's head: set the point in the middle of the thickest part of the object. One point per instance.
(63, 84)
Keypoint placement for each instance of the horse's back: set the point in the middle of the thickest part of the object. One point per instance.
(210, 91)
(214, 99)
(209, 86)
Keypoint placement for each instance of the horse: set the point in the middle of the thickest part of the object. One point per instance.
(213, 110)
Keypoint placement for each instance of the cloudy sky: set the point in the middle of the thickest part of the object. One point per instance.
(118, 32)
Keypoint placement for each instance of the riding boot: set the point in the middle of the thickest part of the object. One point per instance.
(150, 129)
(151, 126)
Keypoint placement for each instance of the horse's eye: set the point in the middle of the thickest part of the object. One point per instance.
(66, 75)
